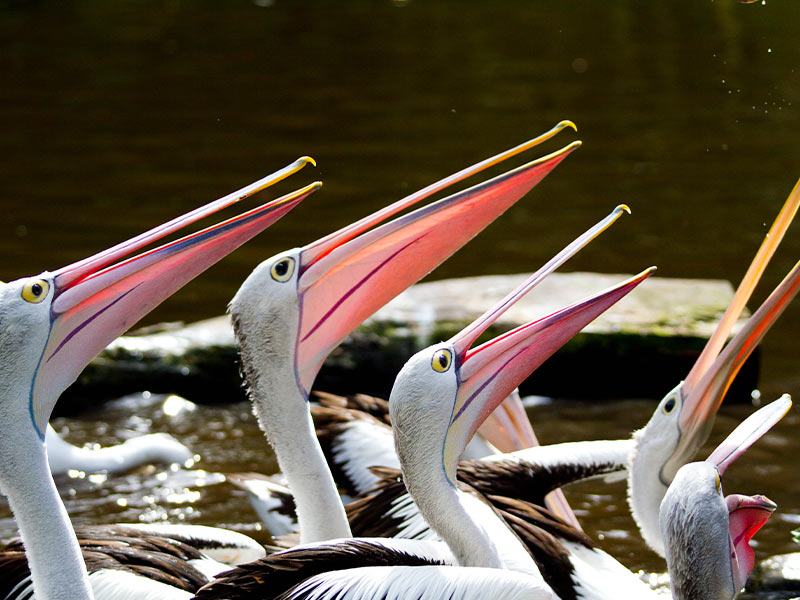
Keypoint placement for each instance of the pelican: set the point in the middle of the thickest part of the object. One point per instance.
(297, 306)
(51, 326)
(152, 448)
(680, 423)
(438, 401)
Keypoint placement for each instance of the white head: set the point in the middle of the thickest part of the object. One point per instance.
(421, 406)
(706, 534)
(24, 330)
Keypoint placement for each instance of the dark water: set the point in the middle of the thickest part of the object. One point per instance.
(118, 116)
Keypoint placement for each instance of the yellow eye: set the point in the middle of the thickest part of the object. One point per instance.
(35, 291)
(669, 405)
(719, 483)
(442, 360)
(282, 269)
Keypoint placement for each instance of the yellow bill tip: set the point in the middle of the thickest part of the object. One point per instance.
(567, 123)
(622, 208)
(307, 160)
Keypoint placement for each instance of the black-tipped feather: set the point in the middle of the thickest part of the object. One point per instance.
(119, 548)
(273, 577)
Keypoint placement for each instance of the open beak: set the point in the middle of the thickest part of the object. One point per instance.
(709, 379)
(509, 429)
(346, 276)
(747, 514)
(489, 373)
(509, 426)
(98, 298)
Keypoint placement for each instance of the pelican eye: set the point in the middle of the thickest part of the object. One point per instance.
(669, 406)
(442, 359)
(719, 483)
(282, 270)
(35, 291)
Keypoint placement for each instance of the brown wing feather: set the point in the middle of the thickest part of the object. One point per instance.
(377, 408)
(118, 548)
(275, 575)
(332, 417)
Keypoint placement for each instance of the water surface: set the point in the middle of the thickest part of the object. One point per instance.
(227, 440)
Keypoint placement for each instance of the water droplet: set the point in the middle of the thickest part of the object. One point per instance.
(579, 65)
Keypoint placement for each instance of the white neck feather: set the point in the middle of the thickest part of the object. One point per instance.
(444, 508)
(320, 513)
(57, 568)
(283, 416)
(645, 492)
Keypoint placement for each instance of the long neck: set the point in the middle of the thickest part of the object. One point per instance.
(285, 419)
(55, 560)
(470, 528)
(645, 492)
(320, 513)
(445, 510)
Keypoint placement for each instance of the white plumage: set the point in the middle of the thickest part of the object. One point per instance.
(153, 448)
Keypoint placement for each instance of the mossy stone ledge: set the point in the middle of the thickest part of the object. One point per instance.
(641, 347)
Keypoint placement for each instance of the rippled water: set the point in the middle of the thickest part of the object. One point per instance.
(227, 439)
(117, 116)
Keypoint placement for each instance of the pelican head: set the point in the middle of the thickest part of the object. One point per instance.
(707, 534)
(296, 307)
(463, 385)
(53, 324)
(683, 419)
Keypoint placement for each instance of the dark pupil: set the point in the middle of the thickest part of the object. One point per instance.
(443, 360)
(36, 289)
(669, 405)
(282, 268)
